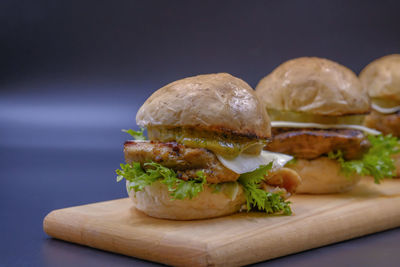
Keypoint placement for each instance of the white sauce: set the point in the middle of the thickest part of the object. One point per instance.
(323, 126)
(385, 110)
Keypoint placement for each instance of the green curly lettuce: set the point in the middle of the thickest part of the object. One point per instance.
(260, 199)
(293, 161)
(138, 178)
(377, 162)
(137, 135)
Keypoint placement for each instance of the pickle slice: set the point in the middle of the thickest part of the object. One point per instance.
(227, 145)
(385, 103)
(277, 115)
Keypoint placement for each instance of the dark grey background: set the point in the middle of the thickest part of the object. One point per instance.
(73, 73)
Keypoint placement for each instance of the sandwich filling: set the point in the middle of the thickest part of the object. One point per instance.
(187, 169)
(221, 143)
(386, 123)
(185, 161)
(313, 143)
(359, 149)
(385, 116)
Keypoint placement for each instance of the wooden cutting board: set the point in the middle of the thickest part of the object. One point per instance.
(239, 239)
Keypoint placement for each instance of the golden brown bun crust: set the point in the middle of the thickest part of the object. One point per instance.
(315, 86)
(217, 102)
(155, 201)
(381, 77)
(322, 176)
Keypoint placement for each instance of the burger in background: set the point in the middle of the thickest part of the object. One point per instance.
(205, 155)
(317, 108)
(381, 79)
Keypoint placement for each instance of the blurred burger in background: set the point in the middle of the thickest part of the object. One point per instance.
(317, 108)
(204, 157)
(381, 79)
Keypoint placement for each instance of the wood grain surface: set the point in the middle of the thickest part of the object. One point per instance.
(239, 239)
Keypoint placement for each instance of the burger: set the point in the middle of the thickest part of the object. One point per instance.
(204, 157)
(317, 108)
(381, 78)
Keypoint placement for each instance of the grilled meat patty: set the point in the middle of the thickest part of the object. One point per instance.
(312, 143)
(386, 123)
(184, 160)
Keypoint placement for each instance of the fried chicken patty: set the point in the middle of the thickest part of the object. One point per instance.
(187, 161)
(312, 143)
(386, 123)
(284, 180)
(184, 160)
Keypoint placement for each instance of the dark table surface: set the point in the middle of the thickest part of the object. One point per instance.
(57, 150)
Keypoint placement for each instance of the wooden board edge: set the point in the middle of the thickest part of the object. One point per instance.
(55, 225)
(229, 254)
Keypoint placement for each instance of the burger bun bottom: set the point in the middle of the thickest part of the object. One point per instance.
(322, 176)
(155, 201)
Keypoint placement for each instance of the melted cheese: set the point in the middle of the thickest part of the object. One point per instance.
(385, 110)
(247, 163)
(290, 124)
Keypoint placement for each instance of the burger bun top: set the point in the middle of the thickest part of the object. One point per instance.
(215, 102)
(315, 86)
(381, 78)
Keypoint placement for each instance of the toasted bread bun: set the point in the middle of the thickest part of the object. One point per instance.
(322, 176)
(315, 86)
(216, 102)
(381, 78)
(155, 201)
